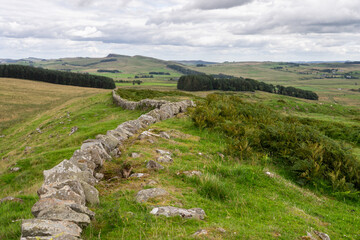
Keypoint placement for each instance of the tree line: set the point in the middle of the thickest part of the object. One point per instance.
(206, 83)
(57, 77)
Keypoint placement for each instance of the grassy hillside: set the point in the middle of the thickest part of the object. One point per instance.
(240, 200)
(331, 87)
(37, 137)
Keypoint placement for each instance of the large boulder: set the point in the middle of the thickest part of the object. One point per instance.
(91, 193)
(44, 228)
(62, 212)
(67, 170)
(74, 185)
(49, 203)
(65, 193)
(146, 194)
(169, 211)
(154, 165)
(147, 119)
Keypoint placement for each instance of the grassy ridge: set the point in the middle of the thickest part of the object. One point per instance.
(236, 196)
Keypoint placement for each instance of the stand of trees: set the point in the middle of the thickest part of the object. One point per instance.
(206, 83)
(57, 77)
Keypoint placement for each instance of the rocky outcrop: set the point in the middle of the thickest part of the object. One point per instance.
(146, 194)
(61, 212)
(169, 211)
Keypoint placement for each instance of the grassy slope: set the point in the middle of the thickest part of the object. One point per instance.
(20, 99)
(91, 111)
(330, 90)
(236, 196)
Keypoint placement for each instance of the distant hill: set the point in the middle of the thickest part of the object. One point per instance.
(193, 62)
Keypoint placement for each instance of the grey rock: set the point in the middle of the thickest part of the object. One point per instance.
(322, 236)
(109, 141)
(65, 193)
(269, 174)
(91, 193)
(163, 152)
(135, 155)
(116, 153)
(165, 159)
(191, 173)
(147, 134)
(49, 203)
(200, 232)
(169, 211)
(57, 237)
(11, 199)
(62, 212)
(38, 130)
(42, 227)
(15, 169)
(147, 119)
(154, 165)
(139, 175)
(146, 194)
(164, 135)
(73, 130)
(222, 230)
(99, 176)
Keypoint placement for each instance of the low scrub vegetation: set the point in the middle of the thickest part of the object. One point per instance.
(256, 132)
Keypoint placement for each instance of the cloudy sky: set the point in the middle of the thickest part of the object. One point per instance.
(224, 30)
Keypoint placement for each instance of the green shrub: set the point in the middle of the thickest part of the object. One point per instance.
(253, 129)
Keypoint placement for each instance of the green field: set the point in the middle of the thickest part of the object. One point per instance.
(235, 193)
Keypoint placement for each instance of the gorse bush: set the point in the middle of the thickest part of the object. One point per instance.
(253, 129)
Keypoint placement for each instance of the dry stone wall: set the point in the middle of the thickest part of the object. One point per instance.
(61, 211)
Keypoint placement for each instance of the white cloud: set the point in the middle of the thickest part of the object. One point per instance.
(184, 29)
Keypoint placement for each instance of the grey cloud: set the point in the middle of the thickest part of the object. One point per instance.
(215, 4)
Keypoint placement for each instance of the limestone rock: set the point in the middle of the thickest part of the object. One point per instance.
(154, 165)
(65, 193)
(135, 155)
(11, 199)
(62, 212)
(99, 176)
(60, 172)
(49, 203)
(108, 141)
(147, 134)
(147, 119)
(163, 152)
(164, 135)
(73, 130)
(322, 236)
(139, 175)
(200, 232)
(43, 228)
(269, 174)
(191, 173)
(15, 169)
(67, 170)
(165, 159)
(169, 211)
(57, 237)
(91, 193)
(146, 194)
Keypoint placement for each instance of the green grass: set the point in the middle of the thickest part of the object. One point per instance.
(137, 94)
(236, 196)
